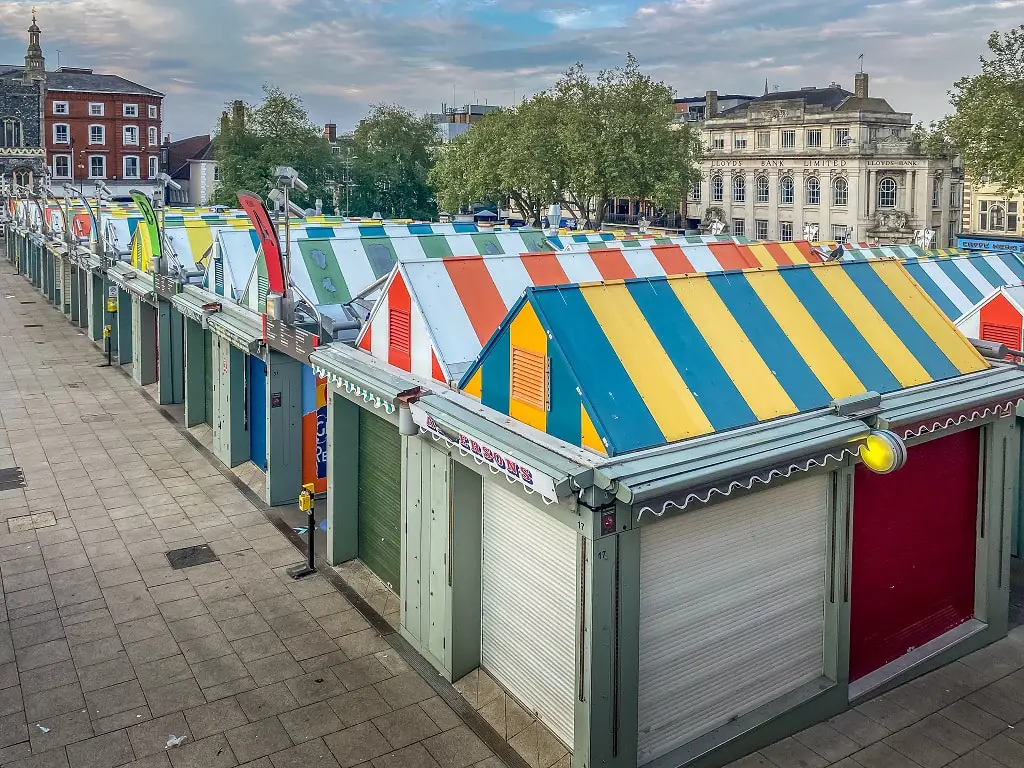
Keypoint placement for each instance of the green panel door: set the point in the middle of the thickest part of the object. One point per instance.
(208, 377)
(380, 498)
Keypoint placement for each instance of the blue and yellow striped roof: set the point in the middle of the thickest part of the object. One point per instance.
(639, 363)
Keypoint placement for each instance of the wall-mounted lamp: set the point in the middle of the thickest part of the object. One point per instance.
(883, 452)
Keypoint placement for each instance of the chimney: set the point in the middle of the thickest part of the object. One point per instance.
(710, 104)
(238, 113)
(331, 132)
(225, 122)
(860, 85)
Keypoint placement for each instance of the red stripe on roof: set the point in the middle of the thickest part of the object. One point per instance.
(480, 297)
(733, 256)
(612, 264)
(673, 260)
(781, 257)
(544, 269)
(808, 251)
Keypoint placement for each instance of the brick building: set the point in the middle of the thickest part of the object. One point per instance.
(94, 126)
(22, 153)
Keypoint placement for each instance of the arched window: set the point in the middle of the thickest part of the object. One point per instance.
(840, 192)
(717, 188)
(786, 190)
(694, 188)
(762, 189)
(813, 191)
(10, 135)
(739, 189)
(22, 177)
(887, 193)
(998, 217)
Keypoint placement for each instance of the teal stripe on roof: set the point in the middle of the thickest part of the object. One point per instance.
(952, 271)
(1014, 263)
(988, 272)
(934, 292)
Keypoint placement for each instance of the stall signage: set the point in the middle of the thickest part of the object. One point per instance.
(294, 342)
(355, 390)
(166, 286)
(972, 244)
(511, 467)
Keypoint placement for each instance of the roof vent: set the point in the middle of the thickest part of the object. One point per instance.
(809, 88)
(75, 70)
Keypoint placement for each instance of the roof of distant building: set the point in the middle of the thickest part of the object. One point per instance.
(832, 99)
(721, 97)
(180, 152)
(83, 80)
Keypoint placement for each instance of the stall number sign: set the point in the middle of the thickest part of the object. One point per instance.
(514, 469)
(111, 291)
(294, 342)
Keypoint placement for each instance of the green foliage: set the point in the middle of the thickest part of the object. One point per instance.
(392, 154)
(987, 126)
(273, 133)
(578, 145)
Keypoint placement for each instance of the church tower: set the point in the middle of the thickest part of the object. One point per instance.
(35, 62)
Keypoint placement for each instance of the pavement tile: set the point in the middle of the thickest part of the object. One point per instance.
(211, 752)
(258, 739)
(1004, 749)
(93, 629)
(151, 737)
(136, 630)
(920, 746)
(206, 647)
(114, 699)
(258, 646)
(361, 672)
(414, 756)
(43, 678)
(310, 722)
(54, 701)
(121, 720)
(882, 756)
(193, 627)
(107, 673)
(107, 751)
(230, 688)
(267, 701)
(61, 730)
(98, 651)
(56, 758)
(11, 700)
(405, 689)
(357, 744)
(175, 697)
(244, 626)
(43, 654)
(153, 649)
(791, 752)
(216, 717)
(315, 686)
(273, 669)
(456, 748)
(311, 754)
(154, 674)
(406, 726)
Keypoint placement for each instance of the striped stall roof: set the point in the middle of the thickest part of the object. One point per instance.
(229, 275)
(957, 283)
(455, 304)
(581, 243)
(638, 363)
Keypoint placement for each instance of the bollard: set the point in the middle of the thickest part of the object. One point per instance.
(306, 504)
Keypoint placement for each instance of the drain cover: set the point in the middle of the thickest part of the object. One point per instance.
(33, 325)
(11, 478)
(190, 556)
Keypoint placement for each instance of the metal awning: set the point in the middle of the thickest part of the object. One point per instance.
(133, 281)
(241, 328)
(359, 375)
(190, 302)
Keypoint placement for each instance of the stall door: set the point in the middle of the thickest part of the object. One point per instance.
(913, 551)
(379, 490)
(732, 607)
(257, 398)
(208, 370)
(528, 607)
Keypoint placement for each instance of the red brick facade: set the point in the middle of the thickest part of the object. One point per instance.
(77, 140)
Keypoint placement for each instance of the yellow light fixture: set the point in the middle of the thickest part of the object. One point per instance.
(883, 452)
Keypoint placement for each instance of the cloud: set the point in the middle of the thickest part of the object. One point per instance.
(342, 55)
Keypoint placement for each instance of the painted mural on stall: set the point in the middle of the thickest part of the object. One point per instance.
(314, 430)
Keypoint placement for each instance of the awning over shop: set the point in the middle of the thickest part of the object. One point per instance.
(240, 327)
(132, 280)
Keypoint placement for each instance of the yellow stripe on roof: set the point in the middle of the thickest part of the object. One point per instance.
(794, 253)
(933, 320)
(813, 345)
(669, 400)
(730, 345)
(763, 256)
(872, 326)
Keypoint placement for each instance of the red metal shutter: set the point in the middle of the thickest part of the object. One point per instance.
(400, 332)
(1001, 334)
(913, 551)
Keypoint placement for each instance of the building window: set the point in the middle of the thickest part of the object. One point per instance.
(814, 137)
(97, 134)
(22, 177)
(739, 189)
(764, 139)
(841, 137)
(786, 231)
(131, 135)
(936, 191)
(984, 214)
(788, 139)
(739, 227)
(840, 192)
(996, 214)
(1011, 217)
(761, 185)
(97, 167)
(153, 137)
(131, 167)
(154, 168)
(813, 191)
(95, 109)
(154, 112)
(786, 190)
(11, 135)
(131, 110)
(61, 133)
(840, 232)
(811, 230)
(717, 188)
(60, 108)
(760, 229)
(887, 193)
(62, 166)
(718, 142)
(695, 192)
(216, 177)
(529, 378)
(740, 141)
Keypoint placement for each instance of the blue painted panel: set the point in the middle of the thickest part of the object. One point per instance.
(257, 398)
(969, 243)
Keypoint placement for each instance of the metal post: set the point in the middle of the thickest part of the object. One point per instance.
(306, 502)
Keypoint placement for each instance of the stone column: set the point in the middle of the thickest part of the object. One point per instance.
(748, 209)
(799, 193)
(872, 192)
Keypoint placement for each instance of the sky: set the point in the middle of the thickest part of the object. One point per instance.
(340, 56)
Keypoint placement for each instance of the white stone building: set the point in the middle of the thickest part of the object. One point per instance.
(822, 163)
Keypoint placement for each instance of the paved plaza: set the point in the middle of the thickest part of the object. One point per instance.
(109, 656)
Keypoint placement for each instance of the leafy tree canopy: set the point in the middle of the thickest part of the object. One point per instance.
(987, 126)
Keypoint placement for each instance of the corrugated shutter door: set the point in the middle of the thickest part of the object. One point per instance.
(528, 607)
(380, 498)
(731, 611)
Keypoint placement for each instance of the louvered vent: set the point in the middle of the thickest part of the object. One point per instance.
(1001, 334)
(530, 378)
(400, 329)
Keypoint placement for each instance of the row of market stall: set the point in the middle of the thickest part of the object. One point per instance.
(676, 495)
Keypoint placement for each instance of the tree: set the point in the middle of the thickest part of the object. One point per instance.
(987, 126)
(392, 154)
(248, 147)
(579, 144)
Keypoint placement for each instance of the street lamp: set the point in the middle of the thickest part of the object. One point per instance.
(165, 181)
(286, 179)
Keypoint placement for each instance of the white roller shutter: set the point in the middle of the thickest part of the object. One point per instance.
(731, 611)
(528, 607)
